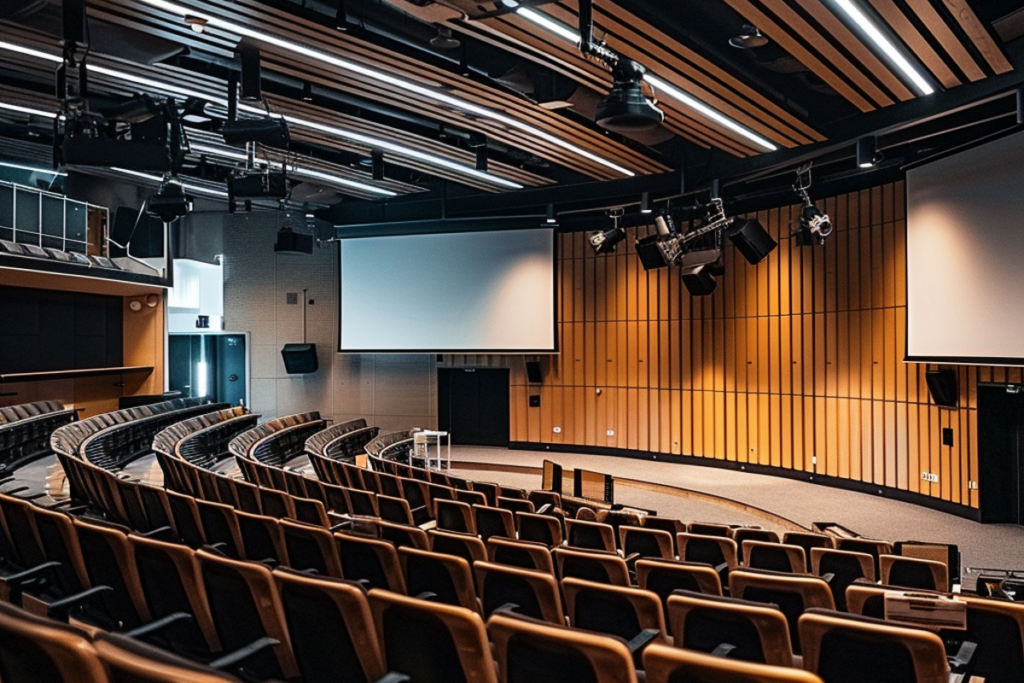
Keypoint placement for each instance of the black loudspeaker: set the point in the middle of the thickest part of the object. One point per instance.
(299, 359)
(533, 372)
(752, 240)
(942, 387)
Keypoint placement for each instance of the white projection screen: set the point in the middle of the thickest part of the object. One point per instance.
(965, 256)
(481, 292)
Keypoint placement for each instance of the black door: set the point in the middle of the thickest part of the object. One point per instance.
(473, 405)
(1001, 454)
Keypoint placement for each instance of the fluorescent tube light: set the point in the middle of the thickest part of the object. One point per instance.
(368, 140)
(695, 104)
(196, 189)
(885, 45)
(690, 101)
(28, 110)
(34, 169)
(384, 77)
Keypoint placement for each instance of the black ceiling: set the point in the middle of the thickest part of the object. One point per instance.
(677, 160)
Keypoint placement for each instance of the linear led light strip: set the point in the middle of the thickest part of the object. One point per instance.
(675, 93)
(885, 45)
(295, 170)
(384, 77)
(197, 189)
(367, 140)
(34, 169)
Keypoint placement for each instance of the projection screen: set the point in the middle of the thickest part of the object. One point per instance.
(965, 256)
(467, 292)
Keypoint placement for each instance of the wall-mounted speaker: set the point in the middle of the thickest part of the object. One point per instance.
(299, 359)
(942, 387)
(533, 372)
(752, 240)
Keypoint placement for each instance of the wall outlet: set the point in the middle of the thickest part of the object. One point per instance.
(610, 432)
(972, 485)
(556, 430)
(814, 460)
(928, 476)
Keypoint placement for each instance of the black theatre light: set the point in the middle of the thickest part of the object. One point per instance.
(815, 225)
(169, 203)
(625, 109)
(867, 152)
(606, 242)
(697, 271)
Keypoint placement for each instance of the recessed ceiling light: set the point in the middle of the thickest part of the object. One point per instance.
(197, 24)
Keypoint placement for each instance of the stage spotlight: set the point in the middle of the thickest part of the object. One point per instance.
(697, 271)
(169, 203)
(197, 24)
(625, 109)
(606, 242)
(815, 225)
(867, 152)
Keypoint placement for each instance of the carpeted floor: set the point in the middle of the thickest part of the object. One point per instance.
(982, 545)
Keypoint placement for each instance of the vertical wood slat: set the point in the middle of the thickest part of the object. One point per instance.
(796, 362)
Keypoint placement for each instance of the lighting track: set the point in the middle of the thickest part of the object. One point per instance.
(361, 138)
(383, 77)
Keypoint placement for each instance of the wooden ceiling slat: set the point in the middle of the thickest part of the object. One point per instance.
(256, 17)
(706, 73)
(637, 51)
(776, 32)
(259, 17)
(975, 30)
(950, 43)
(842, 35)
(824, 45)
(212, 41)
(922, 49)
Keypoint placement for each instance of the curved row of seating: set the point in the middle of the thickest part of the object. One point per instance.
(93, 438)
(477, 547)
(391, 446)
(193, 440)
(25, 431)
(261, 441)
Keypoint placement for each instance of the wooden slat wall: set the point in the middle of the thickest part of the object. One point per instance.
(795, 363)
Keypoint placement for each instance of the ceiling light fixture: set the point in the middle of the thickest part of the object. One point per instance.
(33, 169)
(695, 104)
(867, 152)
(854, 13)
(749, 38)
(294, 170)
(368, 140)
(28, 110)
(625, 109)
(645, 202)
(569, 34)
(400, 83)
(197, 24)
(550, 218)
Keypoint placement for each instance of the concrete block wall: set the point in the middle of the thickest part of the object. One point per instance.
(392, 391)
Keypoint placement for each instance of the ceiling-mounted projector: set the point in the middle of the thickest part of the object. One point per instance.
(625, 109)
(169, 202)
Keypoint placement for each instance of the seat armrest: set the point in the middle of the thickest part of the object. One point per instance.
(393, 677)
(642, 640)
(233, 658)
(158, 625)
(60, 609)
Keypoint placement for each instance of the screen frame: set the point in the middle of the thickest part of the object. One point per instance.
(462, 227)
(945, 360)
